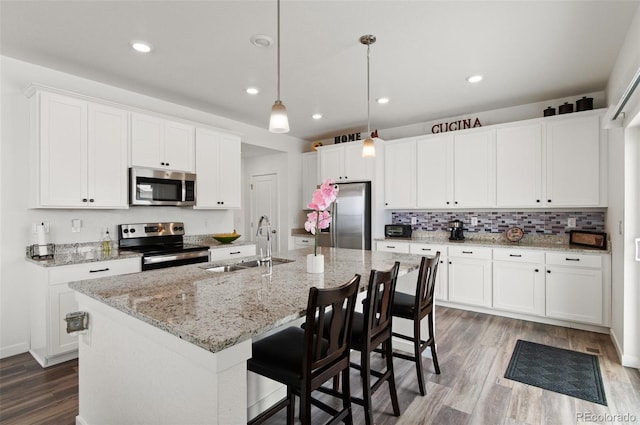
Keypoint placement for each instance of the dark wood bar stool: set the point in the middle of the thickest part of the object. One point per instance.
(303, 359)
(372, 329)
(415, 308)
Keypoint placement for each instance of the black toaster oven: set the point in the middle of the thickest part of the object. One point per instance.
(397, 231)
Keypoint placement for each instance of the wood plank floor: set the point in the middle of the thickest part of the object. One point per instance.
(474, 350)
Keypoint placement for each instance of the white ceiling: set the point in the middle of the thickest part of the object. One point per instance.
(528, 51)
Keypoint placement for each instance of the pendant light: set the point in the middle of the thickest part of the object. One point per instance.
(279, 122)
(369, 146)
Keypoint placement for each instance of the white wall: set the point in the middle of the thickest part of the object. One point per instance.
(625, 167)
(16, 218)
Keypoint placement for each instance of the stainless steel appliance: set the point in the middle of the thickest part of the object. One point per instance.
(456, 228)
(397, 230)
(161, 244)
(351, 218)
(149, 186)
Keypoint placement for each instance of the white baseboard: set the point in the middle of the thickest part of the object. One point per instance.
(12, 350)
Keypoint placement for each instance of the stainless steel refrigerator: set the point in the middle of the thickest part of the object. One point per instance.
(351, 218)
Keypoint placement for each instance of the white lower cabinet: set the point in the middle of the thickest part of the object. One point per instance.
(575, 288)
(231, 252)
(470, 275)
(303, 241)
(441, 287)
(50, 299)
(518, 281)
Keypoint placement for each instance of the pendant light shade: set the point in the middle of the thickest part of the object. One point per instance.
(369, 146)
(279, 122)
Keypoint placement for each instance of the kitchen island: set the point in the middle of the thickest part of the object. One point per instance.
(170, 346)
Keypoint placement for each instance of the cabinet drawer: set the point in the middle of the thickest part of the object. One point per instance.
(231, 252)
(574, 260)
(427, 249)
(304, 240)
(519, 255)
(470, 252)
(393, 246)
(93, 270)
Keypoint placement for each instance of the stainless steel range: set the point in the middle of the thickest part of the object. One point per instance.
(161, 244)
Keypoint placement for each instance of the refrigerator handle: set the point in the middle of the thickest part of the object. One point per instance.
(333, 230)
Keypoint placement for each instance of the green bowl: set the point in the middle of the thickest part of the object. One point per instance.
(225, 239)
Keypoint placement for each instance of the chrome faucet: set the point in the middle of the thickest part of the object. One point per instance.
(263, 241)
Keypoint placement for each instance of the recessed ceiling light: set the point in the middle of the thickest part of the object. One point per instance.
(316, 116)
(474, 79)
(382, 100)
(252, 90)
(261, 40)
(141, 46)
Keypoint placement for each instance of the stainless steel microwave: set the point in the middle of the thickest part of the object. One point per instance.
(150, 186)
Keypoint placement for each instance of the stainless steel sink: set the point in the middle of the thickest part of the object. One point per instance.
(244, 265)
(224, 269)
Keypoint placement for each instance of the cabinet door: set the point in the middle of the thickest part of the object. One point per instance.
(355, 166)
(147, 141)
(434, 172)
(400, 174)
(331, 160)
(575, 294)
(441, 287)
(107, 157)
(573, 162)
(470, 281)
(62, 301)
(229, 171)
(63, 151)
(309, 177)
(474, 169)
(178, 146)
(519, 166)
(518, 287)
(207, 160)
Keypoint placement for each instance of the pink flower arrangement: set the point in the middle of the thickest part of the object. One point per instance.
(320, 218)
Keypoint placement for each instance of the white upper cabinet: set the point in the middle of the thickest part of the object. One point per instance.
(218, 170)
(160, 143)
(541, 163)
(81, 152)
(344, 162)
(519, 166)
(474, 169)
(400, 174)
(573, 162)
(309, 176)
(435, 174)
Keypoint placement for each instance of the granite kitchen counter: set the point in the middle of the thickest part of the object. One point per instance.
(86, 254)
(216, 310)
(534, 243)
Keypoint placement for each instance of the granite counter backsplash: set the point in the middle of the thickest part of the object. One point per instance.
(532, 222)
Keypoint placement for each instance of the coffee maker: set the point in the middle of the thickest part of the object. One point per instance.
(456, 229)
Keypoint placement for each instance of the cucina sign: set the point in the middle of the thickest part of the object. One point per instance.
(455, 125)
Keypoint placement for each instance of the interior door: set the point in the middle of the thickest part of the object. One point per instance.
(264, 201)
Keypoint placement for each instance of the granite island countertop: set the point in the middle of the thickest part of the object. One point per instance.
(216, 310)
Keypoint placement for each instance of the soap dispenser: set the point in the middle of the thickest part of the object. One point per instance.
(106, 243)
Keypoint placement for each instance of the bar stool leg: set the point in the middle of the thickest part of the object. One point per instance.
(418, 355)
(387, 349)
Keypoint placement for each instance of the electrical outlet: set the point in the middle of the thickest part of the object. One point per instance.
(414, 220)
(76, 224)
(474, 221)
(571, 223)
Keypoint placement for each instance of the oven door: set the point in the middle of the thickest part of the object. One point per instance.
(160, 261)
(160, 187)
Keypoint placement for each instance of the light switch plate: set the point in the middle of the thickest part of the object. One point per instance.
(571, 223)
(474, 221)
(76, 224)
(414, 220)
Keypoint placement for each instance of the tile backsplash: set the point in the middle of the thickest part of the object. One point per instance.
(536, 222)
